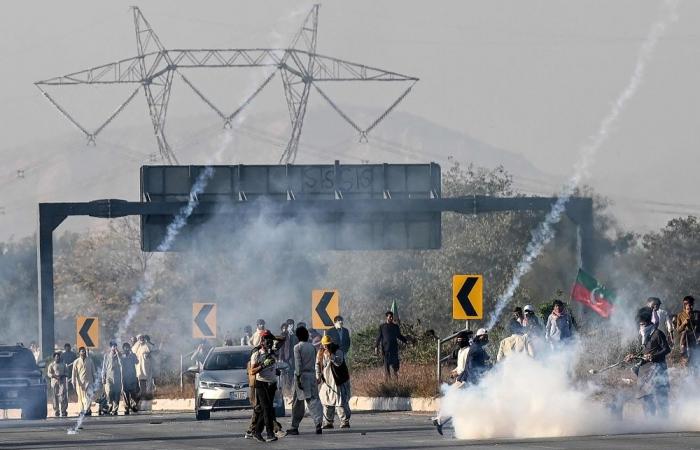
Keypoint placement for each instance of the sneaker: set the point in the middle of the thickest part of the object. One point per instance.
(56, 414)
(258, 437)
(292, 432)
(319, 429)
(271, 438)
(328, 426)
(65, 414)
(345, 425)
(248, 435)
(88, 412)
(438, 426)
(126, 412)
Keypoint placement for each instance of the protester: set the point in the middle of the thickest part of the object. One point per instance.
(463, 341)
(477, 359)
(67, 358)
(340, 335)
(531, 323)
(84, 380)
(651, 370)
(58, 374)
(200, 353)
(112, 377)
(286, 343)
(517, 342)
(388, 337)
(36, 351)
(306, 387)
(560, 325)
(689, 334)
(247, 339)
(516, 322)
(130, 381)
(259, 331)
(334, 392)
(660, 318)
(144, 369)
(263, 367)
(315, 338)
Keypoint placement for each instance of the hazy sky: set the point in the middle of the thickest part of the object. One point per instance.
(532, 77)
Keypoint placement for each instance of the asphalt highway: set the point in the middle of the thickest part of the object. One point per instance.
(396, 430)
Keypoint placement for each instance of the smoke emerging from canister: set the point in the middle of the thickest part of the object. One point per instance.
(527, 398)
(544, 233)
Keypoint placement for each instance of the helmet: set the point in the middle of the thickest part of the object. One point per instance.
(325, 340)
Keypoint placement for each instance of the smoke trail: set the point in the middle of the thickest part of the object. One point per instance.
(545, 232)
(172, 231)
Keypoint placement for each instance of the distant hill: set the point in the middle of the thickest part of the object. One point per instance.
(65, 169)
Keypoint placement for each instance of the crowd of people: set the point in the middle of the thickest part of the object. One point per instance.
(310, 369)
(119, 375)
(659, 332)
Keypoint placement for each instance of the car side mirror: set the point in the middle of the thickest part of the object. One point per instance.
(41, 364)
(193, 369)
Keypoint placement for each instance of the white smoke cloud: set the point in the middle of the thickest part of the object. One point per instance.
(528, 398)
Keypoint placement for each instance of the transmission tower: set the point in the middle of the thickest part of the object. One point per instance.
(155, 66)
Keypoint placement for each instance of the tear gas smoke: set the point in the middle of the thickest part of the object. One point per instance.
(172, 232)
(526, 398)
(545, 231)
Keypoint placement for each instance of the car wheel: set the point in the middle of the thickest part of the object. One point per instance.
(202, 415)
(36, 410)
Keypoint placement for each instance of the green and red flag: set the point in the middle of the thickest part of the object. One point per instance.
(395, 310)
(590, 292)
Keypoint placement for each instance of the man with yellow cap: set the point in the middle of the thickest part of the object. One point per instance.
(334, 390)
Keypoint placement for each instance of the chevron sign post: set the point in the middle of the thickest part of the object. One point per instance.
(325, 305)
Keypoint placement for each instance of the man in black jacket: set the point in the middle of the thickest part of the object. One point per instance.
(651, 371)
(388, 337)
(340, 335)
(477, 359)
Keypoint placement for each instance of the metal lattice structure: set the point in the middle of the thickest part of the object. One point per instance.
(154, 68)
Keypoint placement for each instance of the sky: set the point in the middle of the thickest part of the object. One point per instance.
(534, 77)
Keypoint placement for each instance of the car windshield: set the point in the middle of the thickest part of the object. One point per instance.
(226, 361)
(17, 359)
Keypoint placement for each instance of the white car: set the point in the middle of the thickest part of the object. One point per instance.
(221, 384)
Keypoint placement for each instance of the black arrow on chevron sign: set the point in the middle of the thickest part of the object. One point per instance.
(83, 333)
(463, 296)
(200, 320)
(322, 306)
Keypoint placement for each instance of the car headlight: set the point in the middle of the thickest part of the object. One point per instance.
(214, 385)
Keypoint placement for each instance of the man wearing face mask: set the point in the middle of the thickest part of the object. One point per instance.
(256, 340)
(340, 335)
(660, 319)
(477, 359)
(651, 371)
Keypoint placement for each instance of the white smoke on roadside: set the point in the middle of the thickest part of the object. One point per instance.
(544, 233)
(525, 398)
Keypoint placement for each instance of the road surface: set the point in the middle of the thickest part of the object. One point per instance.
(398, 430)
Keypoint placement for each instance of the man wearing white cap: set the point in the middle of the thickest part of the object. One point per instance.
(477, 359)
(531, 323)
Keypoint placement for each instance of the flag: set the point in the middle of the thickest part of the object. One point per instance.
(588, 291)
(395, 311)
